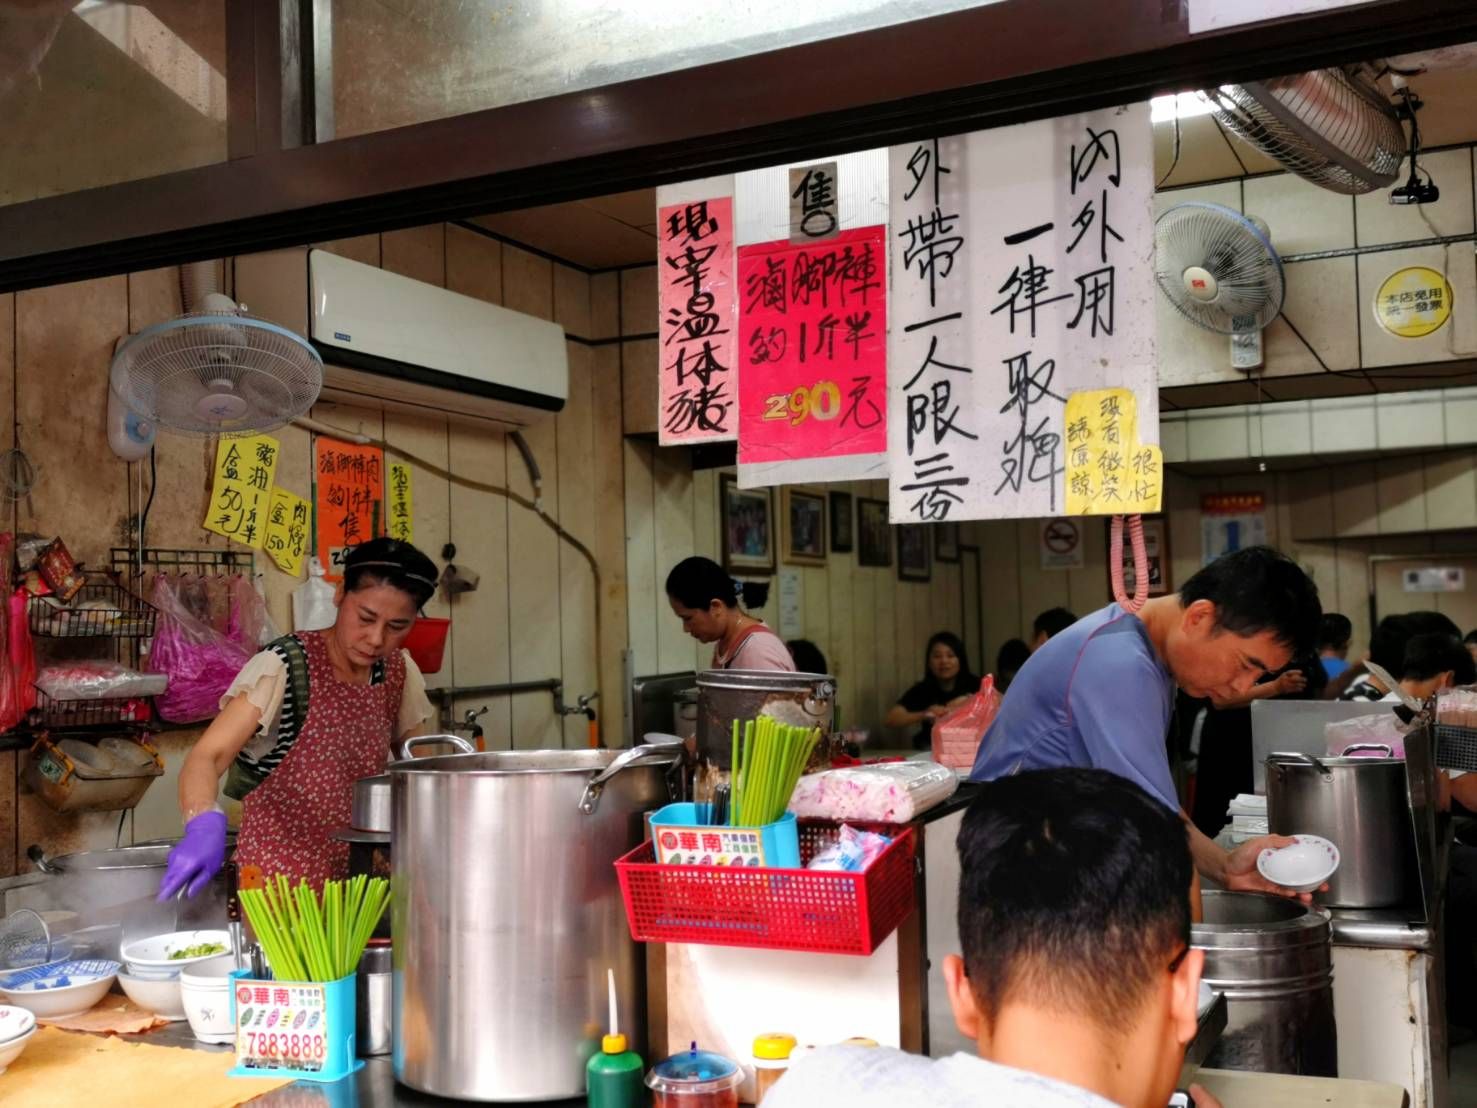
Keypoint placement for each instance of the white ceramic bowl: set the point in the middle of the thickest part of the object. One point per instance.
(61, 989)
(1302, 867)
(11, 1049)
(207, 1003)
(151, 957)
(162, 997)
(15, 1022)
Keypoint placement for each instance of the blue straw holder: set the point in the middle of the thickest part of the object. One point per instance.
(681, 836)
(303, 1030)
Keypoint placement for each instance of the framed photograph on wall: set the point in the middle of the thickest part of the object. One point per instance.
(946, 542)
(1156, 546)
(804, 516)
(914, 559)
(873, 533)
(748, 528)
(843, 527)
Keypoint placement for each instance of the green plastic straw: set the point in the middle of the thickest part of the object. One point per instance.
(308, 937)
(767, 763)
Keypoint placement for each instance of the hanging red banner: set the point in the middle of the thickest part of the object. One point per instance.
(348, 498)
(699, 317)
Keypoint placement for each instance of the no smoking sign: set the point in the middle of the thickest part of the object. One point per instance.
(1061, 544)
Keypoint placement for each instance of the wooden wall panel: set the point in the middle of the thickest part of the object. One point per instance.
(610, 538)
(474, 265)
(647, 605)
(416, 252)
(430, 501)
(360, 248)
(672, 492)
(576, 439)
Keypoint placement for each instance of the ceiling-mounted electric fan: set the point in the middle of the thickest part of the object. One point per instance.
(1219, 270)
(213, 370)
(1333, 127)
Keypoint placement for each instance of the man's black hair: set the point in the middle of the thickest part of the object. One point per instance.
(807, 656)
(1260, 589)
(1335, 632)
(1471, 637)
(1428, 656)
(1053, 621)
(1074, 892)
(1393, 634)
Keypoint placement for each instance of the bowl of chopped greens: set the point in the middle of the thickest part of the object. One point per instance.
(166, 955)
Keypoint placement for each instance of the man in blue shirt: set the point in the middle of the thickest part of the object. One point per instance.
(1099, 695)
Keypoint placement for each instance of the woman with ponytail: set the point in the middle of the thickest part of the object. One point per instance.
(711, 604)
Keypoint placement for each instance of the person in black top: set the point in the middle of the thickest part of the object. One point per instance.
(947, 683)
(1012, 655)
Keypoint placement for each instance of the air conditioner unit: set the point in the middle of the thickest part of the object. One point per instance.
(391, 341)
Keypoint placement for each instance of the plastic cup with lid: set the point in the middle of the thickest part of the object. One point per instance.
(695, 1079)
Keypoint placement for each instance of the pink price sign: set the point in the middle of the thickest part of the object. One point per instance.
(699, 316)
(813, 348)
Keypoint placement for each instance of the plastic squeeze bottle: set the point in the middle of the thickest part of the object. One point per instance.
(614, 1078)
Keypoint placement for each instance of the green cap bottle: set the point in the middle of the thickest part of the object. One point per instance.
(614, 1078)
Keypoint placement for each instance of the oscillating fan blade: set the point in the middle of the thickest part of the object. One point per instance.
(1217, 268)
(208, 373)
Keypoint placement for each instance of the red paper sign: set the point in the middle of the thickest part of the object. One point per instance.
(348, 500)
(1232, 503)
(698, 394)
(813, 351)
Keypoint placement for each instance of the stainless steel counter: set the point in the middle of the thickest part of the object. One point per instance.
(374, 1086)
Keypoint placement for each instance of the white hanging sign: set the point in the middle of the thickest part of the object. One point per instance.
(1022, 274)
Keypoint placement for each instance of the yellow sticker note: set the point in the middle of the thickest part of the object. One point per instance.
(287, 531)
(397, 492)
(245, 471)
(1109, 472)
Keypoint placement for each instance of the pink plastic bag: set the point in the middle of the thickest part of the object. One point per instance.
(956, 736)
(199, 661)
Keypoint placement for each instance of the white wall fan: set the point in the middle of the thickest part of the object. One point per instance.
(212, 371)
(1333, 127)
(1219, 270)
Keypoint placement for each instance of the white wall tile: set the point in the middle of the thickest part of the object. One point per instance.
(1299, 215)
(1378, 221)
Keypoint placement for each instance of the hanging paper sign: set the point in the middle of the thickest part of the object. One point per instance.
(815, 202)
(814, 351)
(348, 499)
(245, 470)
(400, 525)
(1109, 471)
(698, 394)
(1021, 275)
(286, 541)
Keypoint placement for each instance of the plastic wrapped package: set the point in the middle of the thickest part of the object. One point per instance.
(956, 736)
(95, 679)
(852, 852)
(199, 661)
(1380, 726)
(893, 792)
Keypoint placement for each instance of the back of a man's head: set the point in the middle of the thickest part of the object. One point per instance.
(1428, 657)
(1053, 621)
(1074, 908)
(1260, 589)
(1335, 632)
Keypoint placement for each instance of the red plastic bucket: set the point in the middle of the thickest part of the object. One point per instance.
(427, 643)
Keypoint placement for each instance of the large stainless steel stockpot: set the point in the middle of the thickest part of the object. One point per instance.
(1361, 806)
(507, 914)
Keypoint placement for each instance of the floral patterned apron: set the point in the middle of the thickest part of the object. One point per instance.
(288, 821)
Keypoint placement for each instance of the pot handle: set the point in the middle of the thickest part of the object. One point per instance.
(1304, 759)
(590, 798)
(403, 749)
(39, 860)
(1388, 750)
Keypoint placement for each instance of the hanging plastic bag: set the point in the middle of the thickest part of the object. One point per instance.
(891, 792)
(1381, 728)
(199, 661)
(957, 735)
(312, 601)
(18, 691)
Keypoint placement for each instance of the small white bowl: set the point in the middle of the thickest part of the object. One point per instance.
(15, 1022)
(207, 1003)
(61, 989)
(162, 997)
(151, 957)
(1302, 867)
(11, 1049)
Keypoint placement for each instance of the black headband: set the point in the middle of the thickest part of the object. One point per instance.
(396, 566)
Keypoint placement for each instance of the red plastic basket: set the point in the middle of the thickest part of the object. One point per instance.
(427, 642)
(773, 909)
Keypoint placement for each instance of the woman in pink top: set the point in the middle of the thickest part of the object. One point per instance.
(706, 599)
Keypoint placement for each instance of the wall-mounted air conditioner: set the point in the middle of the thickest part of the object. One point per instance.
(391, 341)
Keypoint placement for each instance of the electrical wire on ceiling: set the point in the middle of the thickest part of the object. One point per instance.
(1175, 160)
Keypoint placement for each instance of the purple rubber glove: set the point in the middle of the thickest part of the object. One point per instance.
(197, 857)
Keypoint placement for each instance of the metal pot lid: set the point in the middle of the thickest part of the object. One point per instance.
(355, 835)
(763, 680)
(505, 762)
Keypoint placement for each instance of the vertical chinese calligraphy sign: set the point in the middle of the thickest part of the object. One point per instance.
(400, 524)
(813, 356)
(245, 471)
(349, 493)
(288, 531)
(1022, 263)
(697, 308)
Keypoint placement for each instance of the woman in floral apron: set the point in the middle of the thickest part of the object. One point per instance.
(307, 716)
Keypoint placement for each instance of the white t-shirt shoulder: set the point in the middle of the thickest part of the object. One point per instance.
(877, 1077)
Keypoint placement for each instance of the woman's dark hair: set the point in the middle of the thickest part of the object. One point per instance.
(387, 561)
(954, 643)
(1012, 655)
(697, 582)
(808, 656)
